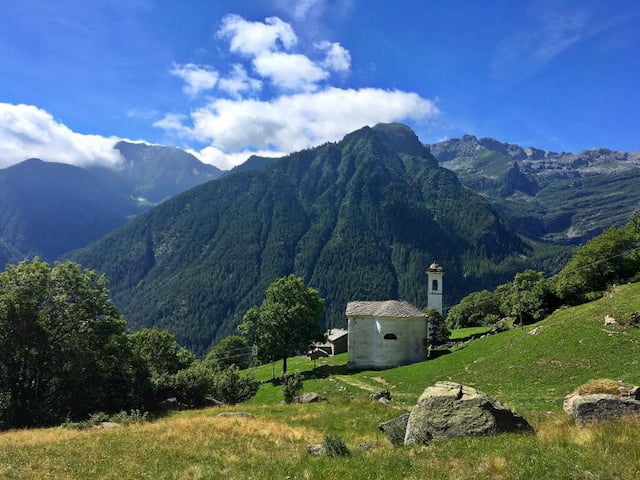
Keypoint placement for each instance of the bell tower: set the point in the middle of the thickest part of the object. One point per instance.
(434, 297)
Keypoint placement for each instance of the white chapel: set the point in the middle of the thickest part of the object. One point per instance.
(385, 334)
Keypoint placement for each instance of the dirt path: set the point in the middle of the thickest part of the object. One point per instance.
(356, 383)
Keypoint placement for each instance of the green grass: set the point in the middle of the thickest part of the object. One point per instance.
(530, 373)
(461, 333)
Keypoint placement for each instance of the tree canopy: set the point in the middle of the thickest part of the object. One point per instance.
(286, 322)
(64, 350)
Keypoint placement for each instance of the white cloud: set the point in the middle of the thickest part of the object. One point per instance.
(337, 58)
(239, 82)
(197, 78)
(289, 70)
(255, 38)
(27, 131)
(226, 161)
(304, 7)
(293, 122)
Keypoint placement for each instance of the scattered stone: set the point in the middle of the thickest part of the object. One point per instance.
(535, 331)
(395, 429)
(236, 414)
(634, 318)
(450, 410)
(381, 394)
(609, 320)
(212, 402)
(384, 400)
(316, 449)
(603, 406)
(365, 446)
(310, 397)
(172, 404)
(108, 425)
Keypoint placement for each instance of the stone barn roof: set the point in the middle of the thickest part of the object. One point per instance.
(388, 308)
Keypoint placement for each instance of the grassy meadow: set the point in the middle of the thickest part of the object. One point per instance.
(530, 373)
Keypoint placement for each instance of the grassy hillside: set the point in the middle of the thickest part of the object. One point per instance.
(530, 373)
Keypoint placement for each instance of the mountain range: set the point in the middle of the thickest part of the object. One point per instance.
(563, 197)
(51, 208)
(360, 219)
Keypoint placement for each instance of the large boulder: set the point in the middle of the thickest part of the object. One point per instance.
(603, 406)
(310, 397)
(449, 410)
(395, 429)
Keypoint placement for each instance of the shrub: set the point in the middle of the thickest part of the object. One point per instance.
(335, 446)
(192, 385)
(291, 387)
(230, 387)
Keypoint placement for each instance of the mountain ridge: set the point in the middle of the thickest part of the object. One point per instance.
(361, 219)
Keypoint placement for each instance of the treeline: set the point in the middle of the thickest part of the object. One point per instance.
(611, 258)
(65, 353)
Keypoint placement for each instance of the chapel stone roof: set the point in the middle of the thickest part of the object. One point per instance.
(388, 308)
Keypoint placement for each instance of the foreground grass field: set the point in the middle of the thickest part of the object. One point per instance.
(530, 373)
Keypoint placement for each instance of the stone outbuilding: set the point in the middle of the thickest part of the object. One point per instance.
(336, 343)
(385, 334)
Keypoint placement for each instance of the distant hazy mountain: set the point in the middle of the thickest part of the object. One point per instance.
(560, 197)
(358, 219)
(156, 172)
(47, 209)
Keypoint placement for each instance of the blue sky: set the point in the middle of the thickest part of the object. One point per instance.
(226, 78)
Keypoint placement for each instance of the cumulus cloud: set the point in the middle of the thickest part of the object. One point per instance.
(197, 78)
(302, 111)
(337, 58)
(255, 38)
(226, 161)
(289, 70)
(293, 122)
(239, 82)
(27, 131)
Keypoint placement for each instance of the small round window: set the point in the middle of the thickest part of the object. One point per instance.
(390, 336)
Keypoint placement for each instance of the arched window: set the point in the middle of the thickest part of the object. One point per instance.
(434, 285)
(390, 336)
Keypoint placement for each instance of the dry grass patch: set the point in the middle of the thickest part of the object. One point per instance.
(600, 385)
(494, 467)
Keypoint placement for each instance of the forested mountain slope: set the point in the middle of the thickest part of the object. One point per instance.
(358, 219)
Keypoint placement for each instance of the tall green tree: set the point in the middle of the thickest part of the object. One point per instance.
(64, 351)
(287, 322)
(231, 350)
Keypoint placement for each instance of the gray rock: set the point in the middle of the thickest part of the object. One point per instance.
(395, 429)
(365, 446)
(316, 449)
(381, 394)
(609, 320)
(449, 410)
(212, 402)
(310, 397)
(535, 331)
(236, 414)
(172, 404)
(602, 406)
(384, 401)
(108, 425)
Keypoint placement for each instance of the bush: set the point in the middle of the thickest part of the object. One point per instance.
(192, 385)
(291, 387)
(335, 446)
(230, 387)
